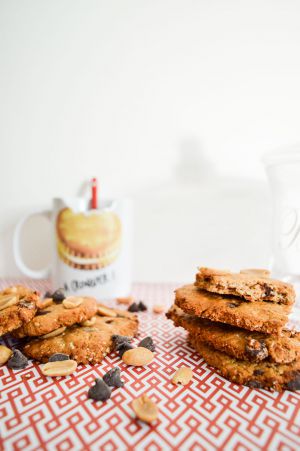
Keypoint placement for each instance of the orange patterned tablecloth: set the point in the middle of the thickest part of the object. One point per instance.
(37, 412)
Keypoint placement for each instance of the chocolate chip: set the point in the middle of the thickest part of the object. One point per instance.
(142, 307)
(133, 307)
(123, 348)
(147, 342)
(58, 296)
(294, 384)
(100, 391)
(256, 349)
(254, 384)
(42, 312)
(113, 377)
(258, 372)
(48, 294)
(119, 340)
(17, 360)
(58, 357)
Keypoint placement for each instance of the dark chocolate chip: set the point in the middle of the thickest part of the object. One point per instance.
(256, 349)
(113, 377)
(123, 348)
(58, 357)
(258, 372)
(48, 294)
(58, 296)
(294, 384)
(42, 312)
(17, 360)
(147, 342)
(133, 307)
(254, 384)
(142, 307)
(100, 391)
(119, 340)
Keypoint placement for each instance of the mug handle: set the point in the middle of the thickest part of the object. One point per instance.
(34, 274)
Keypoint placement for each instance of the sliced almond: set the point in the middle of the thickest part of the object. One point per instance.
(125, 301)
(158, 308)
(145, 409)
(72, 302)
(182, 376)
(8, 300)
(59, 368)
(5, 354)
(56, 332)
(138, 356)
(264, 273)
(104, 311)
(89, 322)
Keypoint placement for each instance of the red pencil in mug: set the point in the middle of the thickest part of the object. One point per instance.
(94, 201)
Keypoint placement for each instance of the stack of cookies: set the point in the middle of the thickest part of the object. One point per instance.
(78, 327)
(237, 323)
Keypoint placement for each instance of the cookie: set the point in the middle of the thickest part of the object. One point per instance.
(57, 315)
(252, 285)
(88, 240)
(18, 306)
(85, 344)
(266, 375)
(262, 316)
(240, 343)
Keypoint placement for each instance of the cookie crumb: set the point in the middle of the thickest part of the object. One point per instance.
(124, 301)
(158, 308)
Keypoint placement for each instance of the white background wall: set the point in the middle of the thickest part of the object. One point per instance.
(170, 102)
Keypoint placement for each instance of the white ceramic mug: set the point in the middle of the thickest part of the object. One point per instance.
(92, 249)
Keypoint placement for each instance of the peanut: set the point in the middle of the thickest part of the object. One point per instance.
(125, 301)
(145, 409)
(104, 311)
(43, 303)
(89, 322)
(7, 300)
(214, 272)
(56, 332)
(158, 308)
(265, 273)
(72, 302)
(182, 376)
(5, 354)
(59, 368)
(138, 356)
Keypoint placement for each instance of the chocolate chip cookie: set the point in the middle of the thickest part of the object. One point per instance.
(85, 344)
(55, 315)
(267, 317)
(18, 306)
(240, 343)
(252, 285)
(266, 375)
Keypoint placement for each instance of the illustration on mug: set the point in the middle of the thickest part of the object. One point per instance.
(90, 240)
